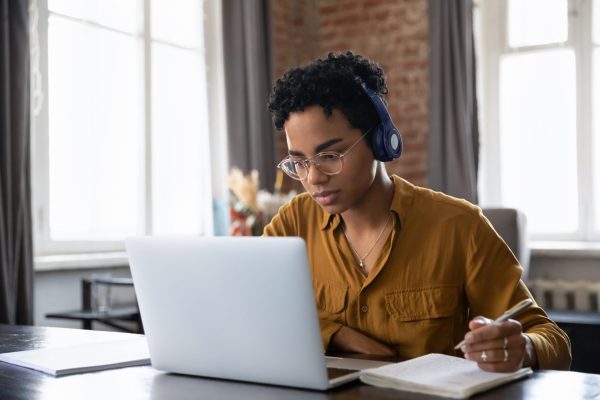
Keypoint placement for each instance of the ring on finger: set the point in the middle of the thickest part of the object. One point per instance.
(505, 342)
(505, 355)
(484, 356)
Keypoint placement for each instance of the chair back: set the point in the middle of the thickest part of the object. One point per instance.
(511, 225)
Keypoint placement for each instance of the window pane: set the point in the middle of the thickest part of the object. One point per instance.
(532, 22)
(596, 136)
(117, 14)
(179, 140)
(596, 21)
(538, 139)
(94, 132)
(177, 21)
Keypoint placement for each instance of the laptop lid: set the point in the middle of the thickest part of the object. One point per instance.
(237, 308)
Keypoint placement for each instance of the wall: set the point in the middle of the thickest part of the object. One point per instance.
(392, 33)
(567, 266)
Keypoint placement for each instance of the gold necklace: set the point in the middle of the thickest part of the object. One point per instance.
(361, 260)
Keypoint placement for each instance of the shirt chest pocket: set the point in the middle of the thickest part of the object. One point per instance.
(331, 300)
(419, 304)
(422, 319)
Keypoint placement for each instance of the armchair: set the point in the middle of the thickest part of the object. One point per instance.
(511, 225)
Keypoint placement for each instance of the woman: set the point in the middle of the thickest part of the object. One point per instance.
(397, 269)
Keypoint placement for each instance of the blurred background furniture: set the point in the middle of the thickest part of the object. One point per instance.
(122, 318)
(583, 329)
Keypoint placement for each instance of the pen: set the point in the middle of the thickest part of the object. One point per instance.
(517, 309)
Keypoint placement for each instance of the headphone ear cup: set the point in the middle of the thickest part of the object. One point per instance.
(386, 140)
(386, 143)
(377, 143)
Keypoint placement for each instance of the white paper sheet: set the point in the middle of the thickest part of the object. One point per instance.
(81, 358)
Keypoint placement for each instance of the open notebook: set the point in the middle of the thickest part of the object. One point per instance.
(440, 375)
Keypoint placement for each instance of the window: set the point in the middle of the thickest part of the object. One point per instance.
(539, 63)
(121, 144)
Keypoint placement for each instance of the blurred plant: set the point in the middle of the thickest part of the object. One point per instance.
(253, 208)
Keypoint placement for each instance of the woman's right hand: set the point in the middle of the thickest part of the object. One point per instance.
(350, 340)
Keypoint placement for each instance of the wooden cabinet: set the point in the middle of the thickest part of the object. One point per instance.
(584, 331)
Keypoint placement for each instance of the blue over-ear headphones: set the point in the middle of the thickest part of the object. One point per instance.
(386, 141)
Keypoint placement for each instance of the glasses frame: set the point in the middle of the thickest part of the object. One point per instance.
(305, 162)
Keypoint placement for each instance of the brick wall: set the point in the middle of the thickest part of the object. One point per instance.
(391, 32)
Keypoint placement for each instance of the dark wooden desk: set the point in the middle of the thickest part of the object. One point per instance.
(148, 383)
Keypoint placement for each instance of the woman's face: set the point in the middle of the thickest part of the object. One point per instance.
(310, 132)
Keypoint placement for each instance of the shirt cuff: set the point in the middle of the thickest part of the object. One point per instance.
(549, 356)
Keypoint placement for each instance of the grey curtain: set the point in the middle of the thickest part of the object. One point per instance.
(16, 258)
(251, 134)
(454, 132)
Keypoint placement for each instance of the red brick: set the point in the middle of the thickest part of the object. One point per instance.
(325, 9)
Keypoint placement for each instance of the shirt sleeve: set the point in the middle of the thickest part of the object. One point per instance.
(494, 285)
(283, 224)
(328, 329)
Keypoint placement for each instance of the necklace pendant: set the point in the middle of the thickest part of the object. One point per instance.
(361, 263)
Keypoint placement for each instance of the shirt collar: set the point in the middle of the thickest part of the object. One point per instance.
(403, 197)
(330, 220)
(401, 203)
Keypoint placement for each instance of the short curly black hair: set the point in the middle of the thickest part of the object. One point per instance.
(330, 83)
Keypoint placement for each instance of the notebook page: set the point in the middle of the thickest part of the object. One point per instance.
(438, 373)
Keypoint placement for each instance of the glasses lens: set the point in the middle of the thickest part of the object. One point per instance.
(294, 169)
(329, 163)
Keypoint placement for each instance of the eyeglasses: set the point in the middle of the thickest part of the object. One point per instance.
(328, 162)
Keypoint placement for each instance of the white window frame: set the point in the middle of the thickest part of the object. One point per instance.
(51, 254)
(492, 44)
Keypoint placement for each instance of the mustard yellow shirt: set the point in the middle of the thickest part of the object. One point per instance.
(442, 265)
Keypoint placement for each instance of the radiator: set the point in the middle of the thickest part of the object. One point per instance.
(566, 295)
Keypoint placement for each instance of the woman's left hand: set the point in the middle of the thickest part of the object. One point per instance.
(498, 346)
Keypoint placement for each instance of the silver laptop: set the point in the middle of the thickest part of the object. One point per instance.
(237, 308)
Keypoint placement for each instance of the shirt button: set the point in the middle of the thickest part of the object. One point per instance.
(364, 308)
